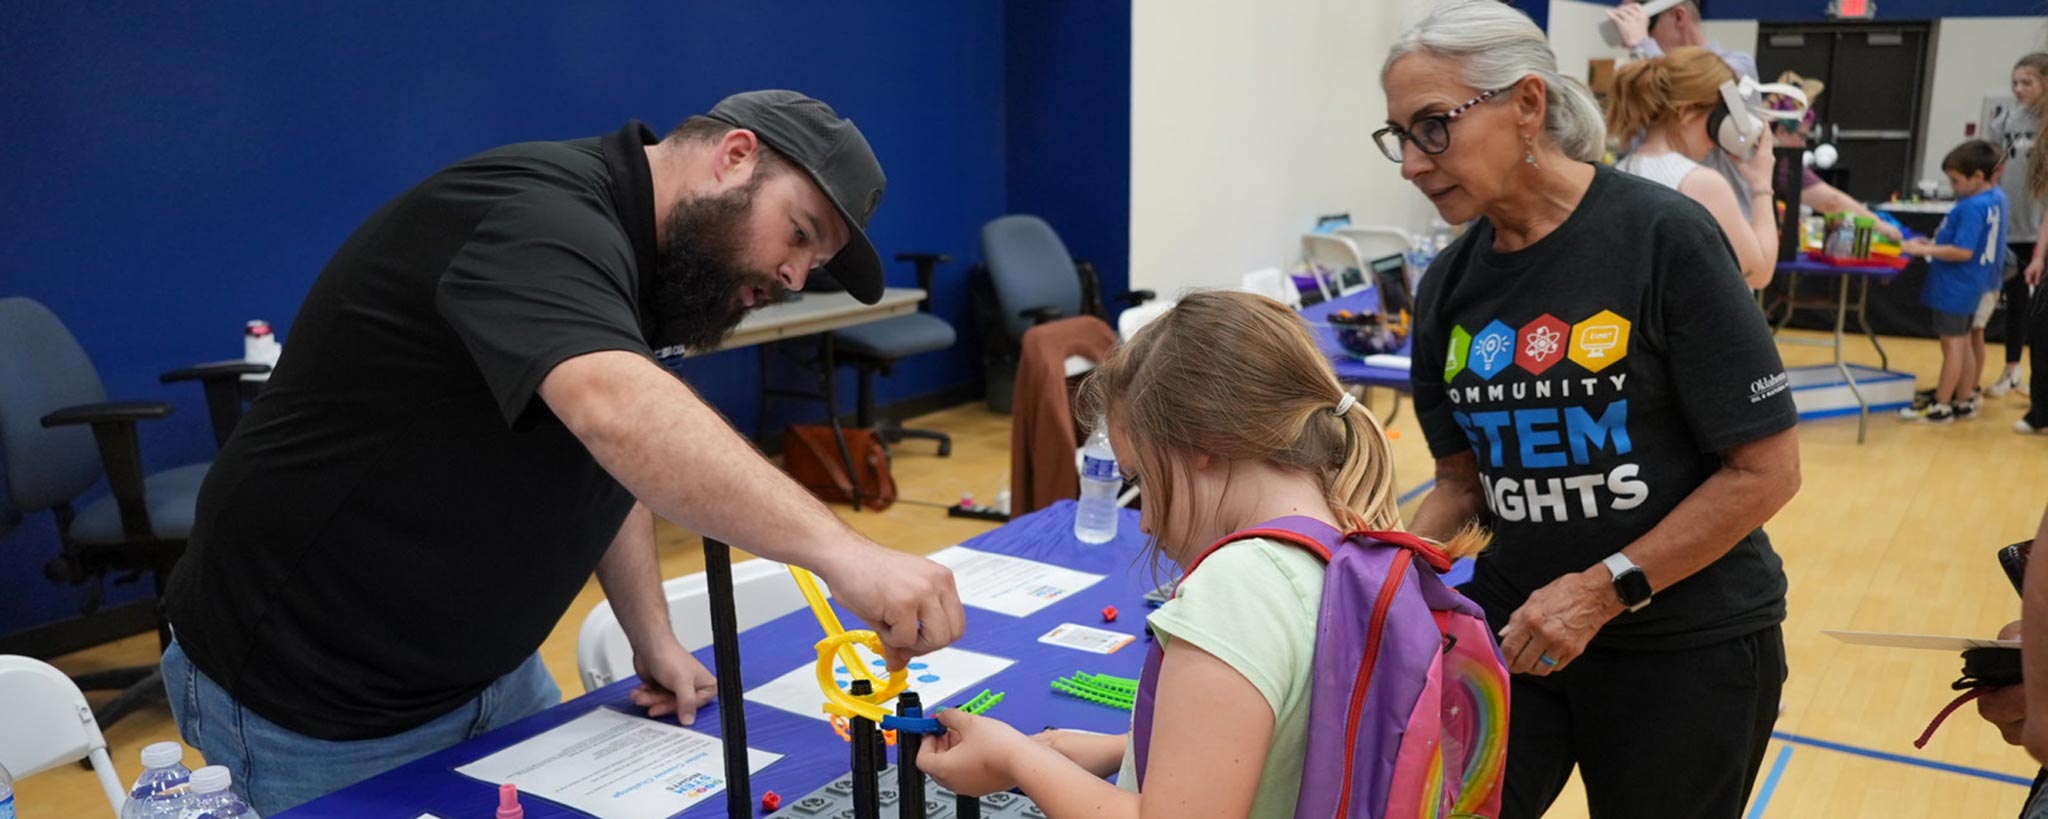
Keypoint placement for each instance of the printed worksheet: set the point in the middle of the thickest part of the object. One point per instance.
(1010, 585)
(938, 678)
(616, 765)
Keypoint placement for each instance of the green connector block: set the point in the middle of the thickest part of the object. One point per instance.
(983, 701)
(1106, 682)
(1082, 690)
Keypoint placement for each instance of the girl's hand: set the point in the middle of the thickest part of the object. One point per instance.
(1757, 168)
(2033, 273)
(976, 754)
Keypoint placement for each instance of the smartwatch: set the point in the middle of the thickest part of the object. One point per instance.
(1630, 584)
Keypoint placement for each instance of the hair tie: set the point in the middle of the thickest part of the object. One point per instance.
(1344, 405)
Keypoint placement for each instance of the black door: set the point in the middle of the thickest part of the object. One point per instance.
(1876, 90)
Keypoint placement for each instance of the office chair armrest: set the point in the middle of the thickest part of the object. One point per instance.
(222, 381)
(927, 270)
(1136, 297)
(1041, 315)
(113, 429)
(116, 412)
(231, 370)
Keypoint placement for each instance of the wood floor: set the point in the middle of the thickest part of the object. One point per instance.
(1897, 534)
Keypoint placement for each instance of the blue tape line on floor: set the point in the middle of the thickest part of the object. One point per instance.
(2022, 781)
(1763, 797)
(1416, 492)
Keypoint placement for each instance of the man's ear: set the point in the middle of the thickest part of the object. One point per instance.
(737, 151)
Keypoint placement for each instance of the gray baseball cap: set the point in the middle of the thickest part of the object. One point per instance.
(833, 152)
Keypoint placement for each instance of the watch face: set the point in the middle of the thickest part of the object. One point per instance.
(1633, 587)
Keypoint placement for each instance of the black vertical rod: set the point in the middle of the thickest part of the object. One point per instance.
(967, 807)
(732, 705)
(909, 779)
(867, 775)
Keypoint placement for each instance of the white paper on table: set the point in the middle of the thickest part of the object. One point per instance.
(1009, 585)
(1925, 642)
(615, 765)
(1388, 361)
(936, 677)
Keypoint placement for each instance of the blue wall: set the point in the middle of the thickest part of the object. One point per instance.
(174, 172)
(1069, 152)
(1781, 11)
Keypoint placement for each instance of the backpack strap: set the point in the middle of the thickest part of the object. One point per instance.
(1428, 552)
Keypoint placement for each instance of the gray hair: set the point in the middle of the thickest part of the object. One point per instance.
(1500, 46)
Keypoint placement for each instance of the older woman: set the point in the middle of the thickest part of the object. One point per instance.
(1611, 404)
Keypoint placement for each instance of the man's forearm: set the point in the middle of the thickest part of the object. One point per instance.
(680, 458)
(631, 576)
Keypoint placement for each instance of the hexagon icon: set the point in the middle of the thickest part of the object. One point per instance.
(1601, 341)
(1454, 357)
(1542, 343)
(1493, 349)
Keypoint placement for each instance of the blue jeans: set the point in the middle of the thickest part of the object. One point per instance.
(275, 769)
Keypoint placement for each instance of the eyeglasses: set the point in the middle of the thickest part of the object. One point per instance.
(1431, 133)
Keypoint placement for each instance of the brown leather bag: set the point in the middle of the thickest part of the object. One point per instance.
(811, 455)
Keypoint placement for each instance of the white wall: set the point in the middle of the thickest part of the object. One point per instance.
(1973, 56)
(1248, 121)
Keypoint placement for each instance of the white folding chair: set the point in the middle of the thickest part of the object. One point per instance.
(45, 722)
(1338, 264)
(762, 591)
(1377, 241)
(1133, 319)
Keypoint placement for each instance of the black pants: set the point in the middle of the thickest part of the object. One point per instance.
(2016, 307)
(1671, 735)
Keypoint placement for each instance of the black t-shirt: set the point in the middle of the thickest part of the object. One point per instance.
(1596, 374)
(399, 519)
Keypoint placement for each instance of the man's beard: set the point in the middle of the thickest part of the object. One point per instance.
(699, 275)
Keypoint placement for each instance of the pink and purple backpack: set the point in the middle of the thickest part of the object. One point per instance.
(1408, 716)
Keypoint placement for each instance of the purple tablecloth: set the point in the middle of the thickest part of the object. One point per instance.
(1350, 369)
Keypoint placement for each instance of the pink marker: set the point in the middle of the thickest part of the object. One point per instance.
(508, 802)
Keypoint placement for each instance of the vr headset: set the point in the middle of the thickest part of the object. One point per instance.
(1739, 117)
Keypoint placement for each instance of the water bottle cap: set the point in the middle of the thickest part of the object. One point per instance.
(162, 755)
(211, 779)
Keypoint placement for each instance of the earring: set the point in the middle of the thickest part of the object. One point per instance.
(1529, 143)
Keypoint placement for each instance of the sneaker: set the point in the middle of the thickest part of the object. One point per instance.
(2022, 427)
(1931, 414)
(1966, 410)
(2005, 384)
(1922, 399)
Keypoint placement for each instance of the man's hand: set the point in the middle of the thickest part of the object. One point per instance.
(2033, 273)
(910, 602)
(1630, 20)
(2006, 707)
(673, 682)
(1558, 621)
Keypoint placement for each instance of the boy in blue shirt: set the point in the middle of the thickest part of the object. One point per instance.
(1963, 265)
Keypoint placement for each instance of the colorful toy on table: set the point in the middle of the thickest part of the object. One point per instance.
(1849, 240)
(839, 643)
(983, 701)
(1364, 334)
(1102, 689)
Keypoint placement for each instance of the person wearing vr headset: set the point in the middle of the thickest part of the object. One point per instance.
(1687, 106)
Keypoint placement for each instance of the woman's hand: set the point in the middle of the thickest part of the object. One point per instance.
(2033, 273)
(1758, 166)
(976, 754)
(1631, 23)
(1552, 629)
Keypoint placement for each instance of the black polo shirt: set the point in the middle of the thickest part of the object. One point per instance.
(399, 520)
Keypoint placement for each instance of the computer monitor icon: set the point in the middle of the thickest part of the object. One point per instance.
(1598, 339)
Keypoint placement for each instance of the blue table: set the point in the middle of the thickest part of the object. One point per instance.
(1350, 369)
(812, 754)
(1806, 266)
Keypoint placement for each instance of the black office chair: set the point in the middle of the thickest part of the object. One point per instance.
(877, 346)
(50, 395)
(1029, 279)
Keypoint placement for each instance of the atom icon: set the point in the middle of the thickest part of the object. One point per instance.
(1543, 343)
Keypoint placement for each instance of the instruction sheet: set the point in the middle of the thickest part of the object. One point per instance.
(615, 765)
(1010, 585)
(938, 678)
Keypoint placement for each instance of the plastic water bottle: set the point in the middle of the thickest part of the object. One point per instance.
(1095, 521)
(162, 790)
(6, 794)
(211, 798)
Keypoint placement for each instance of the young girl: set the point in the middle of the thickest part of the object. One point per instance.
(1218, 449)
(2025, 180)
(1670, 101)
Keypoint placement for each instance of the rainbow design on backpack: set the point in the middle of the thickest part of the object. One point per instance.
(1478, 708)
